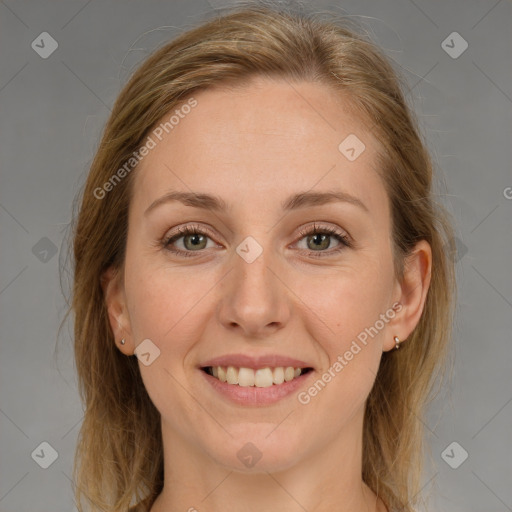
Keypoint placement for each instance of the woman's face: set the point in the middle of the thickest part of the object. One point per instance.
(253, 286)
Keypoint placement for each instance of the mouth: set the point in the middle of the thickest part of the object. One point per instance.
(264, 377)
(256, 380)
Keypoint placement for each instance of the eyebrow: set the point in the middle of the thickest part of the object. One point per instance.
(294, 202)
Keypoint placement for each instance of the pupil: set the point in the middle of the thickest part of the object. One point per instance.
(319, 239)
(195, 239)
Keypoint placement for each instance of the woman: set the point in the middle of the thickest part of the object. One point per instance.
(262, 293)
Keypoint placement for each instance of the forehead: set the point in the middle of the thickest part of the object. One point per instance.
(260, 142)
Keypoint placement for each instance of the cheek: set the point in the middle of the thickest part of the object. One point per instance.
(347, 303)
(346, 315)
(353, 349)
(162, 301)
(164, 305)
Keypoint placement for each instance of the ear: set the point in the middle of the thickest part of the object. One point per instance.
(115, 301)
(411, 293)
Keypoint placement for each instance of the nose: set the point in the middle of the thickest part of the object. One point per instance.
(254, 299)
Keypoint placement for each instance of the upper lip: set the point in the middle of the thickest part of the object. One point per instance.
(255, 362)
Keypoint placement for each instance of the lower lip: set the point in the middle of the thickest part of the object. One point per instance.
(252, 395)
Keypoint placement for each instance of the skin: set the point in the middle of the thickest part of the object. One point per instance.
(255, 146)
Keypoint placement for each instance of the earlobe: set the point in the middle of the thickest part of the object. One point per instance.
(113, 292)
(412, 292)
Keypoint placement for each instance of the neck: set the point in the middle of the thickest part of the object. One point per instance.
(328, 479)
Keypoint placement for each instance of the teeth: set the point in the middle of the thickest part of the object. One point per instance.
(221, 374)
(232, 375)
(278, 375)
(288, 373)
(261, 378)
(246, 377)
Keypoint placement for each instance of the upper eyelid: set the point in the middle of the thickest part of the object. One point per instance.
(193, 228)
(316, 226)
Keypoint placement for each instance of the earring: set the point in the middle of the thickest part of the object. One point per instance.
(122, 341)
(397, 342)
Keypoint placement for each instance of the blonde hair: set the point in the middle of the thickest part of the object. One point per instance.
(119, 455)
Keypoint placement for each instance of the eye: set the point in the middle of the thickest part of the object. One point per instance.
(194, 238)
(319, 238)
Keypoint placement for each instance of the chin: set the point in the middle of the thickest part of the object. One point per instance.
(259, 448)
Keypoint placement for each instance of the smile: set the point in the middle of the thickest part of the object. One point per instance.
(250, 377)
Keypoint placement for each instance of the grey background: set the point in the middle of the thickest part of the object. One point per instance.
(52, 112)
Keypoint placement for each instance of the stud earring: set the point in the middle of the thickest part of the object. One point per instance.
(397, 342)
(122, 341)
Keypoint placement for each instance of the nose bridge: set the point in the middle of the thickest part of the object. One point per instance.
(255, 299)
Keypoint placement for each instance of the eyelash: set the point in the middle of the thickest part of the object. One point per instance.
(314, 230)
